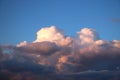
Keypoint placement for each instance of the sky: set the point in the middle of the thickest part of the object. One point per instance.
(21, 19)
(59, 39)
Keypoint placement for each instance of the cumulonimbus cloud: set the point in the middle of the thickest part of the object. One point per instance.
(63, 54)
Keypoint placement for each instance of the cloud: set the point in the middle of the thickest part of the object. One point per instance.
(52, 34)
(116, 20)
(49, 34)
(88, 36)
(41, 48)
(22, 44)
(53, 54)
(1, 52)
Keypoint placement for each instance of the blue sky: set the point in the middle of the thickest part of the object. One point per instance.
(21, 19)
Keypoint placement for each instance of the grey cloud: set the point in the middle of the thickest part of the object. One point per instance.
(41, 48)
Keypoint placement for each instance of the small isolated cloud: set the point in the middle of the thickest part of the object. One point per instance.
(61, 58)
(116, 20)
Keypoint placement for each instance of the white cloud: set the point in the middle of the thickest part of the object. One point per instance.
(88, 36)
(52, 34)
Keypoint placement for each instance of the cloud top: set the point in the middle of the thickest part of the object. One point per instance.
(88, 36)
(51, 34)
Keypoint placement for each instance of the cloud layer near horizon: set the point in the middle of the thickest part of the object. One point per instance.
(52, 52)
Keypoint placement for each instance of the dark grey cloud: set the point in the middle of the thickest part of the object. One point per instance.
(40, 48)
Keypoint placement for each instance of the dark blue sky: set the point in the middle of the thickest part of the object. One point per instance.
(21, 19)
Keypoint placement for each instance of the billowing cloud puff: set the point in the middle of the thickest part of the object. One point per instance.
(22, 43)
(49, 34)
(100, 42)
(52, 34)
(53, 53)
(88, 36)
(116, 43)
